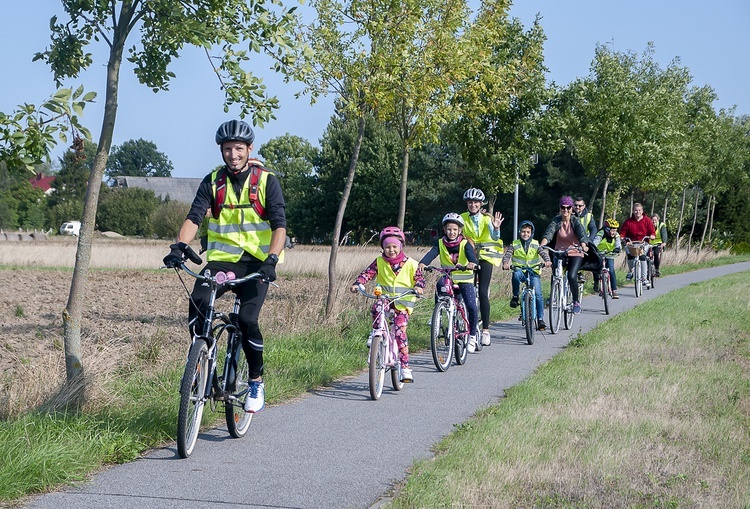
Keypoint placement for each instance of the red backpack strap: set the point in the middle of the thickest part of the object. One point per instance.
(252, 190)
(221, 192)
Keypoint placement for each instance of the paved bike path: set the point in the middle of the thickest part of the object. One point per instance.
(336, 448)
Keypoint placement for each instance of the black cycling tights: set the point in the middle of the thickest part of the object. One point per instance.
(252, 295)
(485, 276)
(573, 263)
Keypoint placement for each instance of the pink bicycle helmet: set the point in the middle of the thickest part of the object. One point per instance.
(392, 231)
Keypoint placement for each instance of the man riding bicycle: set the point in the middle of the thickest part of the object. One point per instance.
(246, 234)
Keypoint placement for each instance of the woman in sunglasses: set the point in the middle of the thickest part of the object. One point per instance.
(566, 230)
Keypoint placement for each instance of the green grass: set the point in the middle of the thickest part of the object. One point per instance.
(41, 451)
(651, 409)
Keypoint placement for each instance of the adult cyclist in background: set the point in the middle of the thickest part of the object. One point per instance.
(483, 230)
(589, 224)
(246, 234)
(659, 242)
(566, 230)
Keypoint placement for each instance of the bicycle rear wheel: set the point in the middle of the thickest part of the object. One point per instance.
(528, 308)
(555, 306)
(377, 366)
(441, 342)
(568, 310)
(238, 421)
(460, 334)
(605, 289)
(192, 397)
(651, 271)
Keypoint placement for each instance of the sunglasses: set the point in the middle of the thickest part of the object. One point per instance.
(565, 207)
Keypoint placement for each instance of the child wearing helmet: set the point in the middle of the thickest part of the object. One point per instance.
(607, 240)
(391, 270)
(453, 249)
(525, 252)
(483, 231)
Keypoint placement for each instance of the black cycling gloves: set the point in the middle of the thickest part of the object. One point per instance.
(175, 256)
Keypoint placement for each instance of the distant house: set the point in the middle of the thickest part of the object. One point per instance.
(41, 182)
(177, 189)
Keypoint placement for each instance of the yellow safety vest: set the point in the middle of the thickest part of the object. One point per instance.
(458, 276)
(394, 284)
(530, 258)
(487, 249)
(657, 240)
(606, 244)
(585, 220)
(239, 230)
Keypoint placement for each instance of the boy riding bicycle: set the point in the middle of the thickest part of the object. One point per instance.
(454, 249)
(525, 252)
(395, 272)
(607, 240)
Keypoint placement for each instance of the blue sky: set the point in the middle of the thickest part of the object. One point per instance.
(712, 40)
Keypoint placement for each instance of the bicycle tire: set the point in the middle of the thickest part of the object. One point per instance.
(460, 334)
(192, 398)
(529, 316)
(377, 366)
(441, 341)
(651, 271)
(555, 306)
(396, 381)
(637, 277)
(605, 289)
(568, 315)
(238, 421)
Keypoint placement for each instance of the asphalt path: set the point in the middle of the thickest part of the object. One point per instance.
(335, 447)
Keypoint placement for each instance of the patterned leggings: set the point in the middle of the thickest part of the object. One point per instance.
(400, 321)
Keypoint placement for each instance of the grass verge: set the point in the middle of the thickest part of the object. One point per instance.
(650, 409)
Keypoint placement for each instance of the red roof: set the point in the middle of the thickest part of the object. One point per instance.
(42, 182)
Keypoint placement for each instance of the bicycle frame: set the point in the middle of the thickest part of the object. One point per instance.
(528, 301)
(455, 336)
(644, 249)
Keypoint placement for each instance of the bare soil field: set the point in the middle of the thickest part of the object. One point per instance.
(133, 311)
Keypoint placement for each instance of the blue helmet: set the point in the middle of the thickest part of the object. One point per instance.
(526, 223)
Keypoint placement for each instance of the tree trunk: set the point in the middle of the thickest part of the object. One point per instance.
(604, 202)
(603, 176)
(664, 212)
(695, 219)
(404, 181)
(331, 298)
(705, 226)
(73, 312)
(682, 215)
(711, 225)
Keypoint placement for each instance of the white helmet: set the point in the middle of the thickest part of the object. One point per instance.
(474, 194)
(452, 217)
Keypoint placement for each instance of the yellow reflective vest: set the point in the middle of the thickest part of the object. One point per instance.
(524, 258)
(657, 240)
(239, 228)
(458, 276)
(486, 248)
(394, 284)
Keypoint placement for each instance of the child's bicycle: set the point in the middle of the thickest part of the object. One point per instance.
(208, 378)
(383, 355)
(450, 323)
(528, 302)
(561, 297)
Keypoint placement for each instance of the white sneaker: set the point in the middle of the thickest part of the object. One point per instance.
(256, 397)
(406, 375)
(472, 345)
(486, 338)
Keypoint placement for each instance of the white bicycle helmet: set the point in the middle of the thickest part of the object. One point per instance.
(474, 194)
(452, 217)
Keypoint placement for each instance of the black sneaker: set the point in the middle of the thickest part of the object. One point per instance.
(540, 325)
(514, 302)
(596, 286)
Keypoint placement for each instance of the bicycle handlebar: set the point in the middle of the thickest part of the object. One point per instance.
(361, 289)
(642, 241)
(220, 278)
(448, 270)
(563, 252)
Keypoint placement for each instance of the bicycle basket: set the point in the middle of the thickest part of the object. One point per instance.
(634, 250)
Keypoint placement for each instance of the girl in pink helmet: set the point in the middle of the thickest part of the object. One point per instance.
(395, 270)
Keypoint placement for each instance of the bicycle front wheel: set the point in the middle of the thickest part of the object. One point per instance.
(441, 341)
(460, 334)
(377, 366)
(192, 398)
(529, 317)
(605, 289)
(555, 306)
(238, 421)
(568, 311)
(638, 277)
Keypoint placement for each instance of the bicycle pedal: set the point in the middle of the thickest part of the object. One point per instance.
(221, 396)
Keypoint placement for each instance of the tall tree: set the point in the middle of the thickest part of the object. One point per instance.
(138, 158)
(162, 28)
